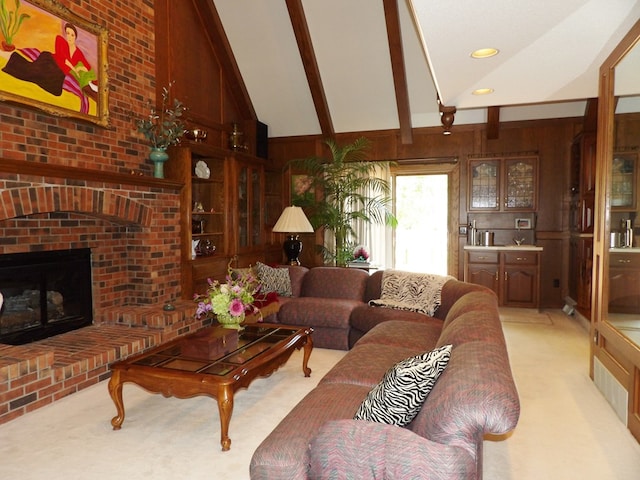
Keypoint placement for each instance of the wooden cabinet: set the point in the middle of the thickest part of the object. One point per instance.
(580, 268)
(204, 213)
(482, 268)
(521, 272)
(222, 210)
(583, 164)
(513, 274)
(503, 184)
(581, 218)
(624, 282)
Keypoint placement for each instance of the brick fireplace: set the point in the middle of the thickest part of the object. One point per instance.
(131, 225)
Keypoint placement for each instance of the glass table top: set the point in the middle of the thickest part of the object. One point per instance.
(215, 350)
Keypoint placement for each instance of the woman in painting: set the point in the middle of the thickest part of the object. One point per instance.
(65, 69)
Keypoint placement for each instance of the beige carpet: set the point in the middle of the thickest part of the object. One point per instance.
(567, 429)
(525, 315)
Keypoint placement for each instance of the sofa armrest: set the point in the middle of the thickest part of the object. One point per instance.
(366, 450)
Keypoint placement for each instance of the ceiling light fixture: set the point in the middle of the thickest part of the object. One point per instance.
(484, 52)
(482, 91)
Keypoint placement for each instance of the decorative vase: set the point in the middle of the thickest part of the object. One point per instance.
(158, 156)
(229, 321)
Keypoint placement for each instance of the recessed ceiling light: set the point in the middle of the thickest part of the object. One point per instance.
(482, 91)
(484, 52)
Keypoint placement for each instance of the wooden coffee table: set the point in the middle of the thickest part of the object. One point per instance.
(214, 361)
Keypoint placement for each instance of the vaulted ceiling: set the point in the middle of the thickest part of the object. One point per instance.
(329, 66)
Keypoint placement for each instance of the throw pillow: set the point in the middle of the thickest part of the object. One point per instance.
(398, 398)
(274, 279)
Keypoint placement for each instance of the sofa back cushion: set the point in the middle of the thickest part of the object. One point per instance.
(335, 282)
(374, 286)
(474, 317)
(452, 291)
(296, 273)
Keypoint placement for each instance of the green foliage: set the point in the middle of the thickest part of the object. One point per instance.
(163, 127)
(10, 22)
(345, 181)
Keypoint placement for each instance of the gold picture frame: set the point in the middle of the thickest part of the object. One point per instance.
(54, 61)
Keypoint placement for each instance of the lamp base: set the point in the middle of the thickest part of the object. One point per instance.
(292, 247)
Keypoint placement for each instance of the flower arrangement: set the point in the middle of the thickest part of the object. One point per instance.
(163, 127)
(229, 301)
(360, 254)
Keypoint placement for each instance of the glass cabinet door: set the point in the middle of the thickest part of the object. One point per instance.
(256, 204)
(520, 184)
(250, 201)
(484, 181)
(623, 180)
(243, 206)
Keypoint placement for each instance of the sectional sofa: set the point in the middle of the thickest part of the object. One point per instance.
(474, 397)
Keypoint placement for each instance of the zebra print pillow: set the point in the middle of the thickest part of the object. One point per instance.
(398, 398)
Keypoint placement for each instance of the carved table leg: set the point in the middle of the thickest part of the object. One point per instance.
(225, 408)
(115, 390)
(308, 347)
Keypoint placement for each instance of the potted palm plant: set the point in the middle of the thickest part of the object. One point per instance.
(350, 191)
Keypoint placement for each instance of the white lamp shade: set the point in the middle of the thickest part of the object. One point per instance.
(293, 220)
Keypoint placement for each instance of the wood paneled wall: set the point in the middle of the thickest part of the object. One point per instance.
(550, 139)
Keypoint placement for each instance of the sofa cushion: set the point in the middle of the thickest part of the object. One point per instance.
(408, 334)
(285, 452)
(335, 282)
(365, 317)
(317, 312)
(297, 274)
(346, 449)
(274, 279)
(398, 398)
(366, 364)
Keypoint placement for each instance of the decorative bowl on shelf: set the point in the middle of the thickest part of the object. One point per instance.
(196, 134)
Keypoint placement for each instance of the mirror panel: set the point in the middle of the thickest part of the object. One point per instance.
(623, 302)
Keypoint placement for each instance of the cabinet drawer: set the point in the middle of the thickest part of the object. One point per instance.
(483, 257)
(521, 258)
(625, 260)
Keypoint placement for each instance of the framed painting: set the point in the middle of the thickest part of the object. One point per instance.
(302, 191)
(53, 60)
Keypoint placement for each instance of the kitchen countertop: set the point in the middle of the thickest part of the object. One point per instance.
(625, 250)
(518, 248)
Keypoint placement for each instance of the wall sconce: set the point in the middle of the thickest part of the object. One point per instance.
(292, 221)
(447, 116)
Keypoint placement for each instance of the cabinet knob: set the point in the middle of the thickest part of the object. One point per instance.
(521, 259)
(622, 260)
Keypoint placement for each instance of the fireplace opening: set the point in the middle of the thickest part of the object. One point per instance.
(45, 294)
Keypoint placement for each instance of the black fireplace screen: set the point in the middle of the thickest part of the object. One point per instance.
(45, 294)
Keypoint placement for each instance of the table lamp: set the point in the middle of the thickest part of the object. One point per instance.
(292, 221)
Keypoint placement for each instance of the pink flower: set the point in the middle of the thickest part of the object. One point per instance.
(236, 308)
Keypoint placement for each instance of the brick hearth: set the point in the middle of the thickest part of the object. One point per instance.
(39, 373)
(131, 225)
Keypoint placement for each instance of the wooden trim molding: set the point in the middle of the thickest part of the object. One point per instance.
(60, 171)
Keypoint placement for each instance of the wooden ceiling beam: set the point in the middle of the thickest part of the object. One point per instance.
(493, 123)
(591, 115)
(392, 19)
(308, 56)
(235, 83)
